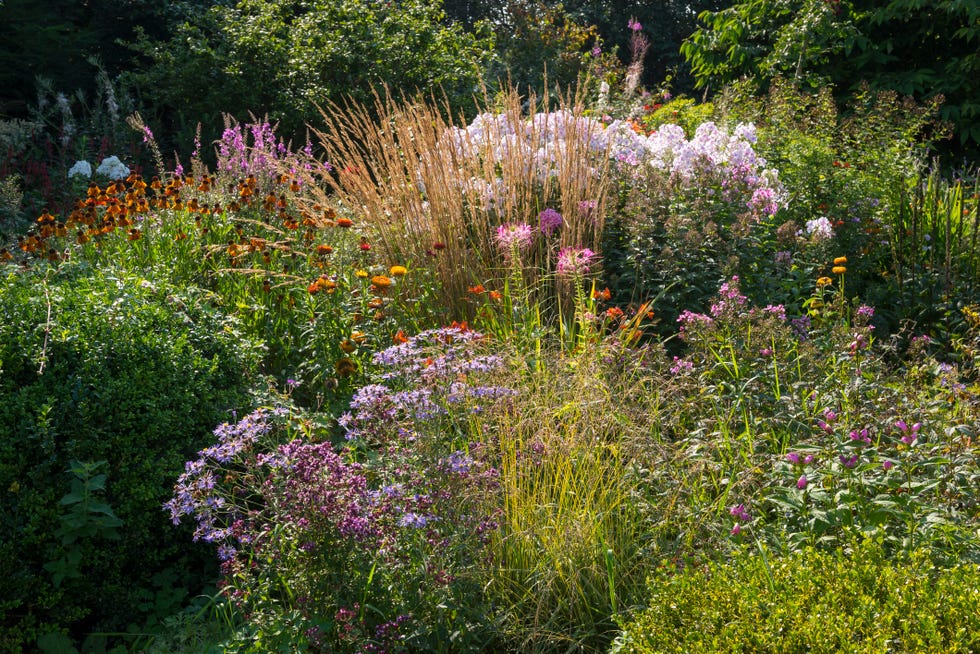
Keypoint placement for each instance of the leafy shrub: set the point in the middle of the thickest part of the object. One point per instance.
(853, 600)
(112, 368)
(283, 59)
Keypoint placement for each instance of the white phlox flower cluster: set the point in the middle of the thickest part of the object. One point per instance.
(113, 168)
(80, 169)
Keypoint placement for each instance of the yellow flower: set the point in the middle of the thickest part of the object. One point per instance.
(840, 261)
(398, 271)
(838, 270)
(824, 281)
(362, 274)
(381, 281)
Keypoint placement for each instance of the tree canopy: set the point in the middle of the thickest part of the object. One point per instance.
(921, 48)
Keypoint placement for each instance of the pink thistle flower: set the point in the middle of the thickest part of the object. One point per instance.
(549, 220)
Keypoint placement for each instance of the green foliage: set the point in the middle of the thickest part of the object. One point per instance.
(852, 600)
(284, 59)
(87, 518)
(535, 39)
(102, 367)
(915, 48)
(863, 167)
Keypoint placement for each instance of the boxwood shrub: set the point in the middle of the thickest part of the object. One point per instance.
(809, 601)
(96, 367)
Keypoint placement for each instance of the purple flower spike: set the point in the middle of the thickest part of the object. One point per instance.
(793, 458)
(801, 482)
(737, 529)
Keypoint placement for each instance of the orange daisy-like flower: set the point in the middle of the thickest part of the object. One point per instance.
(838, 270)
(496, 296)
(376, 303)
(824, 281)
(381, 281)
(614, 313)
(840, 261)
(135, 234)
(323, 250)
(345, 367)
(348, 345)
(399, 338)
(476, 290)
(344, 222)
(604, 294)
(398, 271)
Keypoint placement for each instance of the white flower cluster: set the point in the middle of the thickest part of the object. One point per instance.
(819, 229)
(113, 168)
(80, 169)
(543, 140)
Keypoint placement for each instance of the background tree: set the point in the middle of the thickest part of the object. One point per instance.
(921, 48)
(281, 58)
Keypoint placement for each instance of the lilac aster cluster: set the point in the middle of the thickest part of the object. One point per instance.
(197, 493)
(422, 378)
(819, 229)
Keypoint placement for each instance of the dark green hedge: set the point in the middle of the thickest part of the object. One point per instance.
(96, 368)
